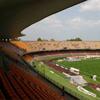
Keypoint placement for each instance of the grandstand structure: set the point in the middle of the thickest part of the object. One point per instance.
(57, 45)
(16, 77)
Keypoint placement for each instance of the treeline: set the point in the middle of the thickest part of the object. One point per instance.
(41, 39)
(74, 39)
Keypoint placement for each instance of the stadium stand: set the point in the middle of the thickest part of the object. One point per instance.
(28, 58)
(19, 84)
(21, 45)
(16, 80)
(57, 45)
(10, 46)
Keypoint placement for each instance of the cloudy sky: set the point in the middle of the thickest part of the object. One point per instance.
(82, 21)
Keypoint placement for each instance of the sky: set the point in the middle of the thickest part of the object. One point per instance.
(82, 20)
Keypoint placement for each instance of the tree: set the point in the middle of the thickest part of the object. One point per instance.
(39, 39)
(78, 39)
(52, 39)
(75, 39)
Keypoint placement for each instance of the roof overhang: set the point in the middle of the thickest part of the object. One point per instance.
(16, 15)
(10, 36)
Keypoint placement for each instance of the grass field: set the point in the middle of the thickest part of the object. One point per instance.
(87, 67)
(59, 80)
(93, 90)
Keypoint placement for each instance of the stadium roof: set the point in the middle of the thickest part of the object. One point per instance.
(16, 15)
(10, 36)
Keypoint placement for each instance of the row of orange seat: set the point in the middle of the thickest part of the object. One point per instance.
(18, 84)
(11, 46)
(28, 58)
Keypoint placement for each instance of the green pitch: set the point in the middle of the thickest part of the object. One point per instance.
(87, 67)
(61, 81)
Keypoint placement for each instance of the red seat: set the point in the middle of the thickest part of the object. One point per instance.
(7, 86)
(2, 96)
(20, 84)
